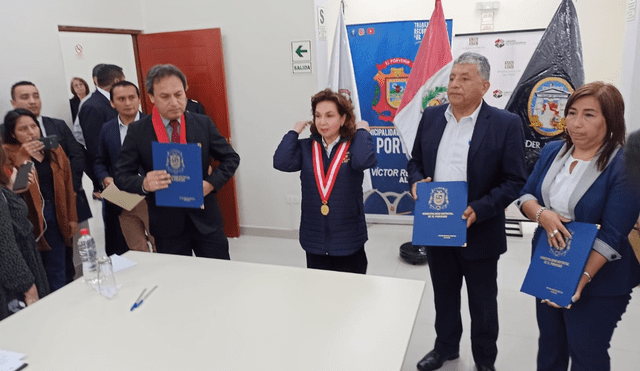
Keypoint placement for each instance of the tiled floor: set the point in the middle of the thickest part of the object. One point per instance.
(517, 344)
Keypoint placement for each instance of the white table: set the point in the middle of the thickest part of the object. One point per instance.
(210, 314)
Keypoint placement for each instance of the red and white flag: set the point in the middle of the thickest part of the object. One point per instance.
(428, 80)
(342, 78)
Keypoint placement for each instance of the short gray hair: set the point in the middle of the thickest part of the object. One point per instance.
(479, 60)
(159, 72)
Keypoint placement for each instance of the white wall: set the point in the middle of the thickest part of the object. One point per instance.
(97, 48)
(265, 98)
(630, 84)
(31, 47)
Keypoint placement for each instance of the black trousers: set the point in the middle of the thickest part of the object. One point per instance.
(448, 268)
(114, 241)
(582, 333)
(213, 245)
(354, 263)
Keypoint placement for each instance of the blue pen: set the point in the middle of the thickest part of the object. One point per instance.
(146, 296)
(135, 305)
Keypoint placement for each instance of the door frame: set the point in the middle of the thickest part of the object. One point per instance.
(121, 31)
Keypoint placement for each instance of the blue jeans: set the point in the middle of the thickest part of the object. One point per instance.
(54, 260)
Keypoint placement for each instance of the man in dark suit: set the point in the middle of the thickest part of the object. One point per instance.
(180, 231)
(94, 112)
(24, 94)
(119, 236)
(468, 140)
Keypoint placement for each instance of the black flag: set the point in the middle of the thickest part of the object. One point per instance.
(554, 71)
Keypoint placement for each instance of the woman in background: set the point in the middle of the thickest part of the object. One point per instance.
(331, 164)
(22, 275)
(51, 200)
(79, 89)
(582, 178)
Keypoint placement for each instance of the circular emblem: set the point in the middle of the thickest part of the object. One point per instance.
(435, 97)
(439, 198)
(497, 93)
(499, 43)
(175, 162)
(562, 252)
(546, 105)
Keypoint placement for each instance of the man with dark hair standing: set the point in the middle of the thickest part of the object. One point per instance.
(97, 110)
(24, 94)
(179, 231)
(468, 140)
(132, 227)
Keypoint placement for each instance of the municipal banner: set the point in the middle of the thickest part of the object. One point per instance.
(383, 55)
(508, 54)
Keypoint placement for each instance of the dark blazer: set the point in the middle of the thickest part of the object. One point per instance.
(168, 222)
(601, 197)
(74, 103)
(344, 231)
(109, 149)
(95, 111)
(495, 171)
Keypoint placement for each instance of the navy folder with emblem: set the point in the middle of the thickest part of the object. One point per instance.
(184, 163)
(554, 273)
(438, 214)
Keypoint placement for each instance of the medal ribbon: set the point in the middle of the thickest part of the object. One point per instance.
(161, 130)
(325, 182)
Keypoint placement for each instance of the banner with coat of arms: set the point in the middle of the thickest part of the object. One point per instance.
(383, 55)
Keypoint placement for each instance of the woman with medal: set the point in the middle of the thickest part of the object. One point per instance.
(51, 199)
(331, 164)
(582, 178)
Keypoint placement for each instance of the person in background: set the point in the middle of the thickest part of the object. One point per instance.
(95, 111)
(178, 231)
(51, 200)
(79, 89)
(582, 178)
(22, 275)
(132, 225)
(25, 94)
(468, 140)
(333, 230)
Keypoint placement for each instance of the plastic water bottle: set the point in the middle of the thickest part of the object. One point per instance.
(88, 253)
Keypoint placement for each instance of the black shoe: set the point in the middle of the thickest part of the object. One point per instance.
(485, 368)
(433, 360)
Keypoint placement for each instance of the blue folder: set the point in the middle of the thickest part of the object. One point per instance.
(438, 214)
(184, 163)
(554, 273)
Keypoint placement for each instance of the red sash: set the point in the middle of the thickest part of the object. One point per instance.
(161, 130)
(325, 182)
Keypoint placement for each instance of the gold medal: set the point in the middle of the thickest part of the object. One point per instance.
(324, 209)
(324, 181)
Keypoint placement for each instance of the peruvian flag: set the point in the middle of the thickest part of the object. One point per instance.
(342, 78)
(428, 80)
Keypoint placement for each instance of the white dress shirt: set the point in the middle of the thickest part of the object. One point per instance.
(124, 128)
(453, 151)
(43, 131)
(564, 184)
(329, 147)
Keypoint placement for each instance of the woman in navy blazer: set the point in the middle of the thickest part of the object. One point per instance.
(333, 229)
(582, 178)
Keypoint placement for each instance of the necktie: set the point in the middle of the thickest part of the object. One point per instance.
(175, 136)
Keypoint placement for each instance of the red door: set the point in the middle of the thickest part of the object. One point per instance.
(198, 54)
